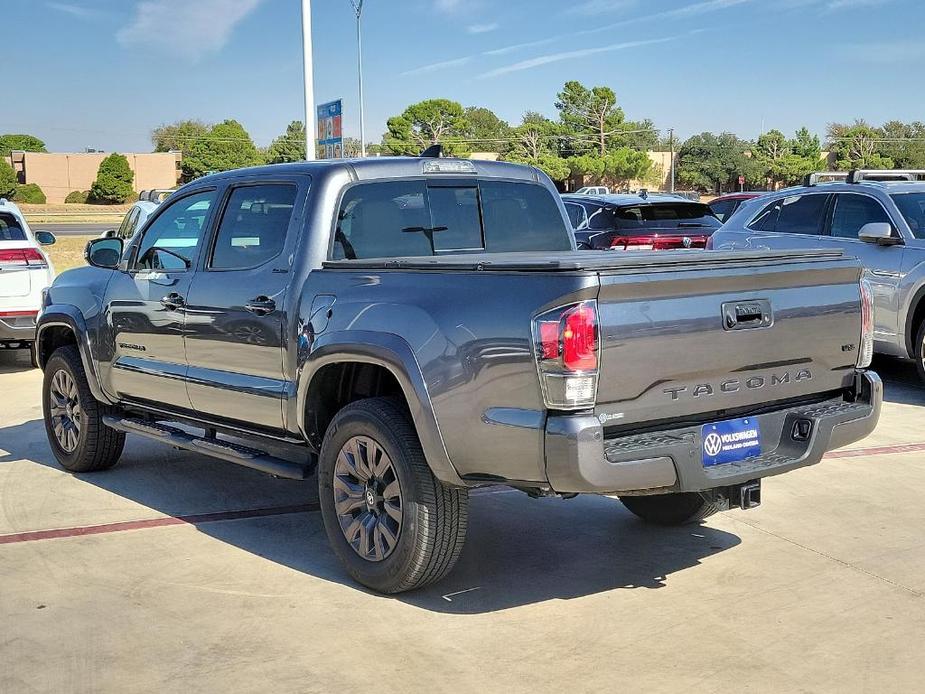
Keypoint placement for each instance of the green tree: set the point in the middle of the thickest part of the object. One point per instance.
(903, 143)
(713, 163)
(590, 116)
(806, 145)
(536, 142)
(639, 135)
(486, 132)
(7, 180)
(774, 153)
(19, 142)
(179, 136)
(113, 182)
(616, 167)
(426, 123)
(226, 146)
(857, 146)
(288, 147)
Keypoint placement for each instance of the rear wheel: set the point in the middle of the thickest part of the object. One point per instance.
(920, 351)
(393, 525)
(671, 509)
(74, 419)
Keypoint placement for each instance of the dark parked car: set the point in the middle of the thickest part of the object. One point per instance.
(371, 318)
(640, 222)
(725, 205)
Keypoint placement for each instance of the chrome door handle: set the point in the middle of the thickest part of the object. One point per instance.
(261, 305)
(173, 301)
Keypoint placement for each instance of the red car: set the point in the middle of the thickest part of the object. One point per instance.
(725, 205)
(640, 222)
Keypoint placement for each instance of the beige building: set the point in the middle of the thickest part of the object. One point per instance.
(59, 174)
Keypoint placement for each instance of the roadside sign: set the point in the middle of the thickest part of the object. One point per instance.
(330, 132)
(741, 180)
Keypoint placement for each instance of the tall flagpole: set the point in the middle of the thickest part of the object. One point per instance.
(358, 8)
(309, 80)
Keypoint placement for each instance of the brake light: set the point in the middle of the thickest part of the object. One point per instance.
(866, 348)
(11, 257)
(566, 348)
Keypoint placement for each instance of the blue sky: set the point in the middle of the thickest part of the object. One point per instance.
(102, 73)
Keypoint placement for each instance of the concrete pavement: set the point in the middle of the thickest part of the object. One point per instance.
(203, 576)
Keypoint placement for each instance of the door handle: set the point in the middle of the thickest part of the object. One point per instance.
(173, 301)
(261, 305)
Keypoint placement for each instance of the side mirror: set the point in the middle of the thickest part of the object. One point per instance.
(104, 253)
(45, 238)
(877, 232)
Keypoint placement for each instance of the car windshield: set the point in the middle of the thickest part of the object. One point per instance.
(912, 206)
(10, 229)
(676, 216)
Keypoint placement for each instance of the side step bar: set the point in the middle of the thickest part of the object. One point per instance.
(216, 448)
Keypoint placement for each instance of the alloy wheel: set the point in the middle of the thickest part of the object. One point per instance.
(66, 413)
(367, 498)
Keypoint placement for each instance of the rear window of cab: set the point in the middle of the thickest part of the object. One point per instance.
(413, 218)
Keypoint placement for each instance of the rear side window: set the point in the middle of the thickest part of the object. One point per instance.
(796, 214)
(409, 218)
(576, 214)
(10, 229)
(854, 211)
(912, 206)
(724, 208)
(254, 226)
(522, 217)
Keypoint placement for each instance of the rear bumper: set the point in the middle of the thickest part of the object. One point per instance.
(580, 459)
(17, 328)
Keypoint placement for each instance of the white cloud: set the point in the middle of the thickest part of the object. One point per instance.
(594, 7)
(185, 28)
(851, 4)
(433, 67)
(448, 5)
(570, 55)
(481, 28)
(73, 10)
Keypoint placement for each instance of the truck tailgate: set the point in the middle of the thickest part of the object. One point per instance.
(712, 334)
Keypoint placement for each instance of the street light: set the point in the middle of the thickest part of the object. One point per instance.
(309, 80)
(358, 9)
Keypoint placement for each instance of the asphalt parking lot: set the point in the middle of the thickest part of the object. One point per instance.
(174, 573)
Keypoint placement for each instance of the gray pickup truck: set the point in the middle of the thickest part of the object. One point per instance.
(412, 328)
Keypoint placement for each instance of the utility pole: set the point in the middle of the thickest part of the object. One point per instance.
(671, 160)
(309, 80)
(358, 9)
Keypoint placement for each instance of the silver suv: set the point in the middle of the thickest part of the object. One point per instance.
(880, 222)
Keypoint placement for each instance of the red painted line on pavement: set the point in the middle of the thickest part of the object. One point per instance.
(877, 450)
(122, 526)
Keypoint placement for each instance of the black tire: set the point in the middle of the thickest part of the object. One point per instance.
(34, 355)
(97, 446)
(919, 353)
(433, 517)
(672, 509)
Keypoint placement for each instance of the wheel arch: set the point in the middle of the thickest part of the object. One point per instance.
(385, 365)
(915, 315)
(60, 325)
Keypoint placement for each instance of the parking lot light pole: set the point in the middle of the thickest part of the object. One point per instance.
(309, 80)
(358, 9)
(671, 158)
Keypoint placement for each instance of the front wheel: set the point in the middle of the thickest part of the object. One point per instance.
(393, 525)
(74, 419)
(919, 354)
(671, 509)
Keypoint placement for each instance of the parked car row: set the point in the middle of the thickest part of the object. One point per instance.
(413, 328)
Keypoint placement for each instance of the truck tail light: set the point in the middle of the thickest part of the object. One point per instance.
(567, 350)
(21, 257)
(866, 348)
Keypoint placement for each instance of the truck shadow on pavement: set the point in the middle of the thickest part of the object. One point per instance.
(519, 550)
(14, 361)
(901, 382)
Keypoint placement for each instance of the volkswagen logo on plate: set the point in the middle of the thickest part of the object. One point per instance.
(712, 445)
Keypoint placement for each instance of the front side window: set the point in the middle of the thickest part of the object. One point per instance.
(912, 208)
(172, 240)
(854, 211)
(254, 226)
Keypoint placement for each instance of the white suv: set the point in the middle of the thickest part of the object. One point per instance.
(24, 272)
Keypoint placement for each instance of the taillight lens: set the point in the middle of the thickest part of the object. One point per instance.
(866, 348)
(11, 257)
(567, 347)
(709, 245)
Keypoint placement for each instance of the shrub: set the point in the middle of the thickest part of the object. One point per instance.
(78, 196)
(31, 193)
(7, 180)
(113, 182)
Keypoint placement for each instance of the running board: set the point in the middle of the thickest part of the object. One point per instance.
(216, 448)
